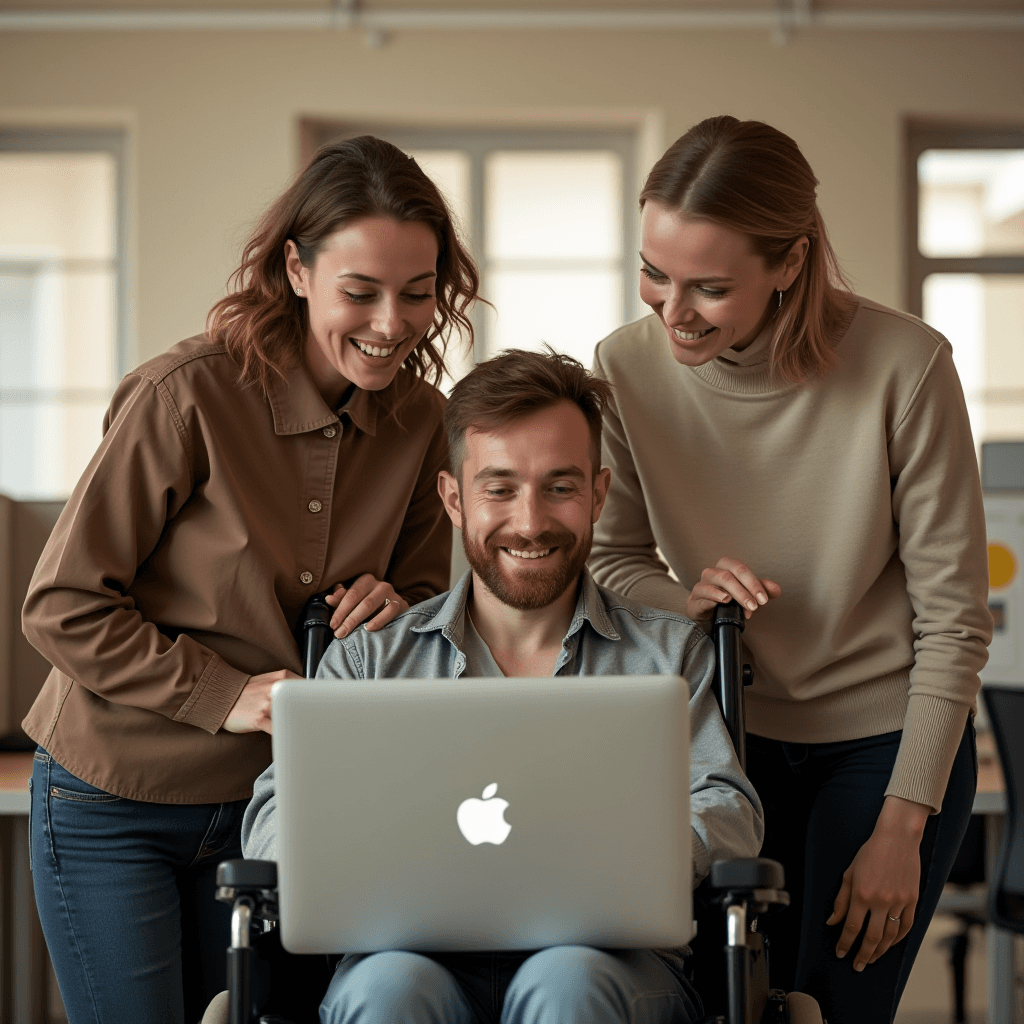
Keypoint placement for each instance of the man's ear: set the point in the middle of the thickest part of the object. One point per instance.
(448, 488)
(601, 484)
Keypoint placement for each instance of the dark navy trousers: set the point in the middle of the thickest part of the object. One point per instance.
(821, 802)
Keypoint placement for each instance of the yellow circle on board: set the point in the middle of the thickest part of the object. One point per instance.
(1002, 566)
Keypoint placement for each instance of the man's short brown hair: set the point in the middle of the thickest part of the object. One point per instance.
(515, 384)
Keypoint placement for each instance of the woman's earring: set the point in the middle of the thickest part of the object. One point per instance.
(780, 298)
(298, 291)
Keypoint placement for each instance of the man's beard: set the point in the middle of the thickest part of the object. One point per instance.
(532, 588)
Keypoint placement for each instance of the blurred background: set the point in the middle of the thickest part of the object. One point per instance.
(139, 141)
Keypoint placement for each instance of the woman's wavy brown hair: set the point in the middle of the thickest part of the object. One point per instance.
(753, 178)
(263, 323)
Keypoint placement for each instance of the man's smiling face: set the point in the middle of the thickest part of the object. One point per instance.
(527, 504)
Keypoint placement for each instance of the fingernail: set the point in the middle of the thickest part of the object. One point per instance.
(761, 599)
(858, 967)
(841, 953)
(752, 605)
(339, 633)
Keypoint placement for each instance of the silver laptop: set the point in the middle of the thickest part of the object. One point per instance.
(483, 814)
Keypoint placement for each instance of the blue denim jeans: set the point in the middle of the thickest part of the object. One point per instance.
(821, 801)
(561, 985)
(125, 892)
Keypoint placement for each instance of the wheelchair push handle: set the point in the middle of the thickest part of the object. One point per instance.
(731, 676)
(316, 632)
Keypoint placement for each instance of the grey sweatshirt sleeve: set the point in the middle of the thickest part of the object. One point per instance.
(259, 833)
(725, 811)
(259, 827)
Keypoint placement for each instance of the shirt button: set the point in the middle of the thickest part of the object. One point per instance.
(330, 431)
(314, 506)
(306, 577)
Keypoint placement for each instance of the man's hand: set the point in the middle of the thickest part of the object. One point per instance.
(883, 881)
(368, 600)
(729, 580)
(251, 712)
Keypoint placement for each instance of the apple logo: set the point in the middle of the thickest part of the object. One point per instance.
(483, 821)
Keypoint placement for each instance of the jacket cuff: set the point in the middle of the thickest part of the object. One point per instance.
(214, 696)
(932, 731)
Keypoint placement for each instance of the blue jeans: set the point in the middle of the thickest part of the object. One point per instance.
(125, 892)
(821, 801)
(561, 985)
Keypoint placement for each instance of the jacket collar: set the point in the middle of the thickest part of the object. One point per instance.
(450, 618)
(298, 407)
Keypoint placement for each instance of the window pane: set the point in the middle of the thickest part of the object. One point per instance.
(45, 446)
(983, 318)
(449, 170)
(971, 202)
(57, 205)
(572, 311)
(56, 329)
(559, 205)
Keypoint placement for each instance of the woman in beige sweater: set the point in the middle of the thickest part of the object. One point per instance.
(777, 440)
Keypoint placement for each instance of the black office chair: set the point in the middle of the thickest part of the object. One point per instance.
(1005, 707)
(743, 888)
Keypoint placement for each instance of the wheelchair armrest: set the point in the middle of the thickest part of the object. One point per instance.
(247, 874)
(252, 881)
(754, 880)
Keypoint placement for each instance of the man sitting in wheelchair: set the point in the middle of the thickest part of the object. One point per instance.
(524, 432)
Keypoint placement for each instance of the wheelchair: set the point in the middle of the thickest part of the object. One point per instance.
(743, 889)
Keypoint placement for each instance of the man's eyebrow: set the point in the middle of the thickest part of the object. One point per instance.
(698, 280)
(374, 280)
(499, 473)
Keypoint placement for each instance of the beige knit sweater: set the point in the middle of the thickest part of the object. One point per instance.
(857, 493)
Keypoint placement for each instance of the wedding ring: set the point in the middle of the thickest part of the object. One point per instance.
(387, 601)
(891, 918)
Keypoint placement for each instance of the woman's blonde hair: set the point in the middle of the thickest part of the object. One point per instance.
(754, 179)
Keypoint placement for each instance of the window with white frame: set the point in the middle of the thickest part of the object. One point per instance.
(61, 306)
(551, 219)
(966, 262)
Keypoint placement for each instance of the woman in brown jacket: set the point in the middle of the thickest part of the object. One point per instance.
(293, 448)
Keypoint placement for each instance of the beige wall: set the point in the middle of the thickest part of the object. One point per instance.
(212, 117)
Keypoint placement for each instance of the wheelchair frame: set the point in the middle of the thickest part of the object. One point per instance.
(744, 887)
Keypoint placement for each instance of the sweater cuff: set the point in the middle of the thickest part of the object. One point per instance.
(932, 731)
(214, 696)
(701, 858)
(659, 590)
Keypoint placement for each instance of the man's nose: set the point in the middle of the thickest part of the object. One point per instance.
(528, 516)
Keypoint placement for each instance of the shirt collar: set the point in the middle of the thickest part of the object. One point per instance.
(298, 407)
(450, 617)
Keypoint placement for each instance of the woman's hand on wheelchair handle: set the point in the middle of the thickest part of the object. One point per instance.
(251, 712)
(729, 579)
(883, 881)
(368, 600)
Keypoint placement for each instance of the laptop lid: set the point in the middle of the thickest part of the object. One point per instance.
(483, 814)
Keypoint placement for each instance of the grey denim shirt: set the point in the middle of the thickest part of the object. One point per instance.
(608, 635)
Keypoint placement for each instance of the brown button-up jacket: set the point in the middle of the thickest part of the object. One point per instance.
(180, 566)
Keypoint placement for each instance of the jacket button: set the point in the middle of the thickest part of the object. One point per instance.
(306, 577)
(315, 506)
(330, 431)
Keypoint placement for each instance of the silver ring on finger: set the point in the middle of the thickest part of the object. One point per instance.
(891, 918)
(387, 601)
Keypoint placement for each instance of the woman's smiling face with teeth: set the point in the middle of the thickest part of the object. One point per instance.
(370, 298)
(705, 283)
